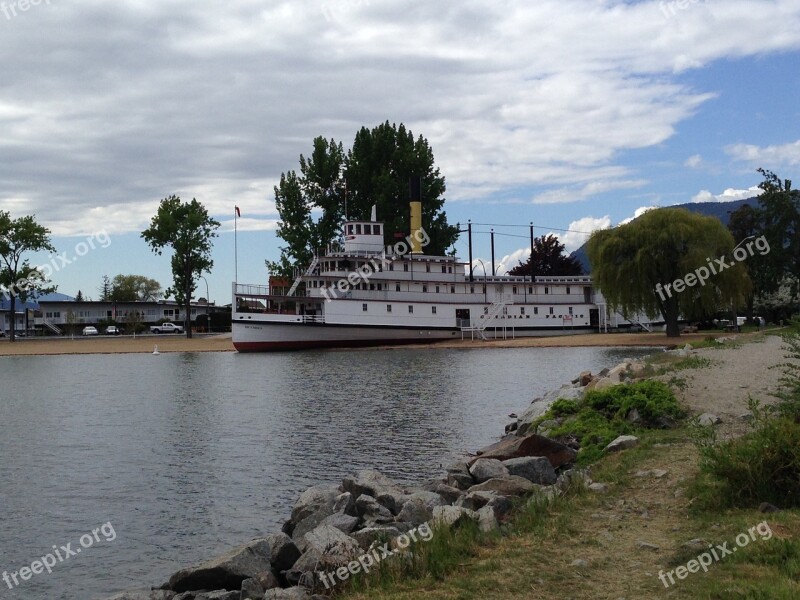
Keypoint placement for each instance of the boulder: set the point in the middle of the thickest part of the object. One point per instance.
(584, 378)
(512, 446)
(506, 486)
(226, 572)
(327, 548)
(313, 500)
(345, 503)
(485, 469)
(342, 522)
(252, 590)
(541, 405)
(708, 420)
(283, 552)
(476, 500)
(501, 506)
(310, 523)
(372, 512)
(429, 499)
(458, 476)
(546, 426)
(371, 483)
(416, 512)
(448, 493)
(536, 469)
(369, 535)
(487, 522)
(219, 595)
(451, 516)
(623, 442)
(602, 383)
(293, 593)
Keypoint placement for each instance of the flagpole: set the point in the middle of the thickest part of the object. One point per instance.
(236, 244)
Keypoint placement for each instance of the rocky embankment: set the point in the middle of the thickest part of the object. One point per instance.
(338, 530)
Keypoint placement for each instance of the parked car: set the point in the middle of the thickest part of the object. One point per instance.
(113, 330)
(89, 330)
(166, 328)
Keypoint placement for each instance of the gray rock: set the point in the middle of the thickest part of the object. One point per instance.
(535, 469)
(345, 503)
(476, 500)
(372, 512)
(579, 563)
(449, 494)
(598, 488)
(252, 590)
(219, 595)
(372, 483)
(485, 469)
(369, 535)
(546, 426)
(501, 506)
(766, 507)
(451, 516)
(647, 546)
(293, 593)
(708, 419)
(541, 405)
(342, 522)
(308, 524)
(314, 499)
(506, 486)
(416, 511)
(623, 442)
(226, 572)
(284, 552)
(487, 522)
(458, 476)
(429, 499)
(145, 594)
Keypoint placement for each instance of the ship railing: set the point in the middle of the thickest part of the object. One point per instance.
(313, 319)
(244, 289)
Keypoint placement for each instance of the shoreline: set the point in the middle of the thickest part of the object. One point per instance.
(222, 343)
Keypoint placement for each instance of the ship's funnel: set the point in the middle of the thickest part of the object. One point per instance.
(415, 197)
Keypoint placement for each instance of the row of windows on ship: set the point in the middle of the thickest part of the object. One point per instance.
(380, 287)
(345, 266)
(522, 313)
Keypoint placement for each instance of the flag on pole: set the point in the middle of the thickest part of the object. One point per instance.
(238, 212)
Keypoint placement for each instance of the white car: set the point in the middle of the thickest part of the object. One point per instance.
(90, 330)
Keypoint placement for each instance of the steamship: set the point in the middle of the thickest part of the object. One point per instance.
(367, 294)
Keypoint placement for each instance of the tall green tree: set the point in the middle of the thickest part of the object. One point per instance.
(633, 263)
(18, 279)
(188, 230)
(105, 289)
(746, 222)
(547, 259)
(375, 171)
(780, 213)
(135, 288)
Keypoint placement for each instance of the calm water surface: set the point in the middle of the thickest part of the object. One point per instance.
(187, 455)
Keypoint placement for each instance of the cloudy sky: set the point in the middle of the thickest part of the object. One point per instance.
(572, 114)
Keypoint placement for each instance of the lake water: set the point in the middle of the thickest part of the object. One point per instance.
(187, 455)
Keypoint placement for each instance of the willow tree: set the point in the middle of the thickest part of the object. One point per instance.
(668, 262)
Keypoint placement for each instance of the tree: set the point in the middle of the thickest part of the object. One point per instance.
(746, 222)
(376, 171)
(79, 296)
(780, 213)
(188, 230)
(17, 277)
(653, 265)
(547, 259)
(135, 288)
(71, 321)
(133, 321)
(105, 289)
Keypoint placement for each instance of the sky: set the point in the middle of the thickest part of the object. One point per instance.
(571, 114)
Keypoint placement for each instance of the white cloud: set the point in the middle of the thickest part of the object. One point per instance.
(580, 230)
(729, 195)
(694, 161)
(637, 213)
(769, 157)
(586, 191)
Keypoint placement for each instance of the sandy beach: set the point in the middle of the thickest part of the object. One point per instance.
(222, 343)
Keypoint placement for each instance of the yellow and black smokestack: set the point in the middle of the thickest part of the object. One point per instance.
(415, 197)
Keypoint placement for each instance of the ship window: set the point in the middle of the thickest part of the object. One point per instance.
(444, 269)
(546, 290)
(411, 309)
(472, 289)
(371, 286)
(522, 310)
(486, 310)
(437, 289)
(568, 290)
(427, 267)
(364, 307)
(452, 289)
(405, 266)
(570, 310)
(449, 269)
(484, 289)
(380, 287)
(551, 310)
(433, 310)
(350, 229)
(391, 267)
(388, 308)
(424, 288)
(396, 287)
(376, 230)
(536, 310)
(530, 290)
(514, 290)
